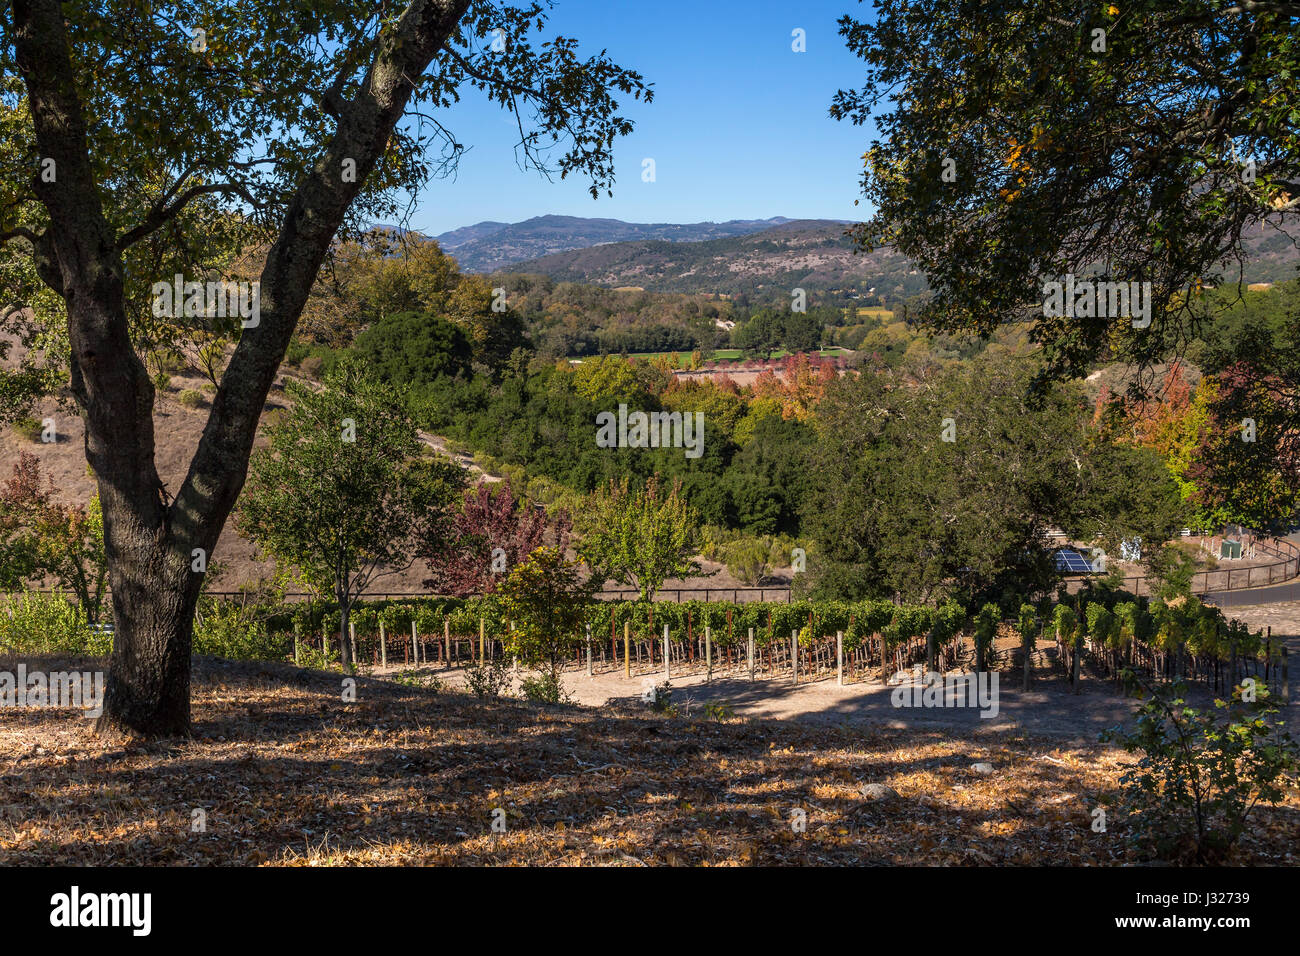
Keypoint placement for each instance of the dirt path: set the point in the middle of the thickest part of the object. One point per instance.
(439, 444)
(1048, 707)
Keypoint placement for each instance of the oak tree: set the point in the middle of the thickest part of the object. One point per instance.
(300, 120)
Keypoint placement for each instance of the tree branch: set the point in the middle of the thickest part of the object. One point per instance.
(162, 214)
(313, 216)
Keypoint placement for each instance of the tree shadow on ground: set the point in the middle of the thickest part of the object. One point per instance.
(282, 769)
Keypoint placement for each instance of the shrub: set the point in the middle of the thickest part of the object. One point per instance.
(660, 698)
(415, 678)
(545, 688)
(312, 366)
(489, 679)
(748, 559)
(162, 381)
(32, 623)
(190, 398)
(228, 630)
(1201, 772)
(545, 597)
(166, 361)
(310, 657)
(296, 352)
(986, 629)
(719, 711)
(28, 428)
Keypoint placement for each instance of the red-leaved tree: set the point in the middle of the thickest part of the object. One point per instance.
(1248, 460)
(494, 532)
(40, 537)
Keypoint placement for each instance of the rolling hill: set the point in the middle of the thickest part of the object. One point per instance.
(491, 246)
(813, 254)
(810, 253)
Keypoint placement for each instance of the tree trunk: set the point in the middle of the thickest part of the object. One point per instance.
(1030, 643)
(345, 650)
(149, 536)
(148, 688)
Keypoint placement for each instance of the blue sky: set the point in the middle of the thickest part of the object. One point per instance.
(738, 129)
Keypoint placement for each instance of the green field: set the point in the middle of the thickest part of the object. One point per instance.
(729, 355)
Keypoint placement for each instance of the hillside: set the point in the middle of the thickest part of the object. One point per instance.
(237, 563)
(177, 432)
(810, 254)
(490, 246)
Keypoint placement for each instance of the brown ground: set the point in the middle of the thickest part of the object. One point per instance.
(177, 430)
(288, 774)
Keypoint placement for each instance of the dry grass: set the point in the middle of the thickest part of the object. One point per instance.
(289, 774)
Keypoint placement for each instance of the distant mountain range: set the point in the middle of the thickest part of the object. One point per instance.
(752, 256)
(492, 246)
(813, 254)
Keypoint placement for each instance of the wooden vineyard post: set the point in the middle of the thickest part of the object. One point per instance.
(1232, 665)
(1268, 653)
(708, 654)
(352, 640)
(731, 628)
(794, 655)
(446, 642)
(1268, 658)
(851, 657)
(588, 650)
(1060, 648)
(751, 653)
(839, 658)
(415, 645)
(297, 633)
(1075, 654)
(1286, 678)
(627, 650)
(667, 668)
(1031, 642)
(482, 641)
(383, 647)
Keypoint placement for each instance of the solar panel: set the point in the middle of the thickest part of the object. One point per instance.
(1073, 562)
